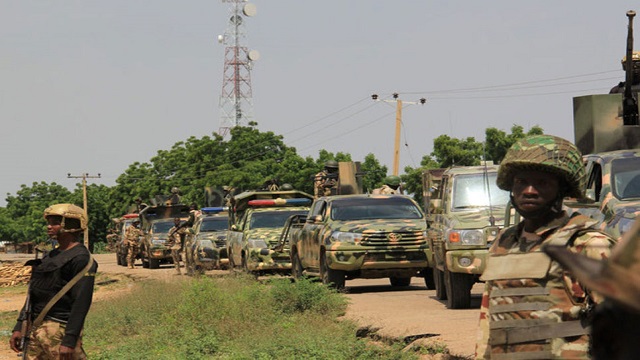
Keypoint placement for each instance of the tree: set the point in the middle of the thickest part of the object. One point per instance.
(412, 178)
(448, 151)
(374, 173)
(498, 142)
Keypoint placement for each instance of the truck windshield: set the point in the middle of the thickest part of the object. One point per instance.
(477, 191)
(214, 224)
(272, 219)
(374, 208)
(625, 177)
(161, 227)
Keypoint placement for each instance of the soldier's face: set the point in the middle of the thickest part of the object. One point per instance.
(533, 190)
(54, 225)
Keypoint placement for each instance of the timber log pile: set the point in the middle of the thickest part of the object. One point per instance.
(14, 273)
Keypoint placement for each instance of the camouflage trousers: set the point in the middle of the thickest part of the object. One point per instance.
(44, 342)
(132, 251)
(175, 255)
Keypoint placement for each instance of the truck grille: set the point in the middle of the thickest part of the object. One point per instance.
(221, 243)
(395, 238)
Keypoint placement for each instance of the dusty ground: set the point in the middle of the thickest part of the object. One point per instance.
(411, 311)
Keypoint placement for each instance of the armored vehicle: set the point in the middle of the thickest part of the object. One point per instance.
(465, 210)
(121, 225)
(607, 132)
(359, 236)
(256, 221)
(205, 246)
(156, 221)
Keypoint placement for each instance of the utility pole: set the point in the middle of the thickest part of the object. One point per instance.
(84, 178)
(399, 104)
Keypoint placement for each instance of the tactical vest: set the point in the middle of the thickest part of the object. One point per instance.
(47, 279)
(529, 302)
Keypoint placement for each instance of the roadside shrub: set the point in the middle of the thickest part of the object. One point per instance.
(306, 295)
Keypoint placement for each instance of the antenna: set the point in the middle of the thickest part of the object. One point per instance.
(236, 99)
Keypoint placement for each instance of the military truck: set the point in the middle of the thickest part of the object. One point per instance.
(360, 236)
(205, 246)
(607, 132)
(256, 219)
(121, 224)
(465, 211)
(156, 221)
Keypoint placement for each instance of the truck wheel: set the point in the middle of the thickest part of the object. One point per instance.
(123, 260)
(330, 277)
(458, 290)
(429, 282)
(145, 263)
(296, 266)
(154, 263)
(438, 278)
(400, 281)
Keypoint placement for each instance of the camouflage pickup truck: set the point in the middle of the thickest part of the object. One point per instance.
(156, 221)
(205, 245)
(257, 219)
(360, 236)
(465, 210)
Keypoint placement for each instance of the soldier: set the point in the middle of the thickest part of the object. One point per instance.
(140, 205)
(112, 239)
(175, 242)
(59, 310)
(635, 85)
(615, 328)
(326, 179)
(131, 238)
(391, 186)
(530, 307)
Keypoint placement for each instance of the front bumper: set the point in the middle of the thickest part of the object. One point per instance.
(356, 258)
(268, 260)
(467, 261)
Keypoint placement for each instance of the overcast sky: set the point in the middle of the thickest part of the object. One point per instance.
(93, 86)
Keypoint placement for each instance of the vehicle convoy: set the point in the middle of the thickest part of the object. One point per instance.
(607, 132)
(121, 225)
(205, 246)
(156, 221)
(256, 219)
(465, 211)
(360, 236)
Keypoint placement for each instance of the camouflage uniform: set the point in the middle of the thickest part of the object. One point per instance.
(323, 182)
(531, 308)
(133, 246)
(386, 190)
(175, 243)
(44, 342)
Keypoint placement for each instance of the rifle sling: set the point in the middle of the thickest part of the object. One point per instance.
(61, 293)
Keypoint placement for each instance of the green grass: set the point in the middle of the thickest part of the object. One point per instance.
(233, 317)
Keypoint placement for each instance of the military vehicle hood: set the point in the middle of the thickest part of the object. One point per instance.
(213, 235)
(269, 235)
(476, 219)
(380, 225)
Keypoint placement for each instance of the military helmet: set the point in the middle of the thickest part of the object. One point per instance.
(635, 57)
(286, 187)
(331, 164)
(68, 211)
(544, 153)
(392, 180)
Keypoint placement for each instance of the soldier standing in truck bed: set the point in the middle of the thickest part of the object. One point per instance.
(635, 86)
(391, 186)
(326, 179)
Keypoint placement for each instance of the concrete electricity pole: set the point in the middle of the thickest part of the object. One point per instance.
(84, 178)
(399, 104)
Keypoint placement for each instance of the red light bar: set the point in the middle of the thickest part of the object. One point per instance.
(279, 202)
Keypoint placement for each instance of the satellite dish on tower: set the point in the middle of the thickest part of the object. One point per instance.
(253, 55)
(220, 39)
(249, 10)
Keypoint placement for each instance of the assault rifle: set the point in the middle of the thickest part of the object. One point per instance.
(25, 329)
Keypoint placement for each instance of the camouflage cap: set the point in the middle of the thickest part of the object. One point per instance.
(544, 153)
(331, 164)
(617, 278)
(392, 180)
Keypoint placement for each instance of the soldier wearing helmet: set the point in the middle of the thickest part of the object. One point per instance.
(132, 239)
(391, 186)
(635, 86)
(530, 306)
(326, 181)
(57, 312)
(615, 328)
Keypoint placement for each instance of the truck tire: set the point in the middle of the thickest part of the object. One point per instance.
(154, 263)
(123, 260)
(296, 266)
(330, 277)
(438, 278)
(429, 281)
(458, 290)
(399, 281)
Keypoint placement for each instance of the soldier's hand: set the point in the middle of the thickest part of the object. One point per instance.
(66, 352)
(14, 341)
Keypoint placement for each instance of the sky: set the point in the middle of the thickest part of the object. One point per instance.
(92, 86)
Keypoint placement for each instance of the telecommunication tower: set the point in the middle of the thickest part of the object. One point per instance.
(236, 100)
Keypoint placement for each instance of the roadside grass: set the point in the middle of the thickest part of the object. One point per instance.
(231, 317)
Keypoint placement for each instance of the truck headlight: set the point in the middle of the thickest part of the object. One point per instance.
(465, 237)
(346, 237)
(257, 243)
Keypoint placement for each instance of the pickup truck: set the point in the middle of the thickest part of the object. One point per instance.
(156, 221)
(360, 236)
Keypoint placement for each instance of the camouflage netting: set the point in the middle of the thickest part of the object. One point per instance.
(544, 153)
(13, 273)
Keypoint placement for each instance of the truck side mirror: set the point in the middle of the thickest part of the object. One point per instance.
(590, 194)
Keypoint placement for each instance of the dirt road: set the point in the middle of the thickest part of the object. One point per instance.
(397, 312)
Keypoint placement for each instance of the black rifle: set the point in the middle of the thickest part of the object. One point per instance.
(25, 329)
